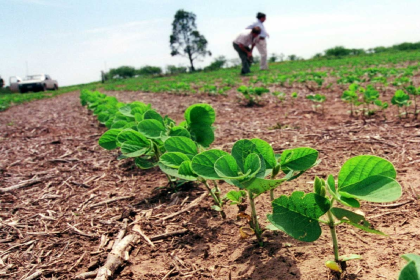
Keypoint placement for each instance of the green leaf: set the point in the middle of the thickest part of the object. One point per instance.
(179, 131)
(126, 111)
(134, 137)
(252, 165)
(374, 189)
(236, 196)
(351, 202)
(226, 167)
(354, 219)
(202, 134)
(181, 144)
(298, 215)
(240, 151)
(144, 163)
(298, 159)
(173, 159)
(103, 117)
(151, 128)
(185, 171)
(258, 186)
(176, 172)
(108, 140)
(412, 270)
(265, 149)
(203, 163)
(153, 115)
(200, 114)
(359, 168)
(132, 149)
(168, 170)
(119, 124)
(412, 257)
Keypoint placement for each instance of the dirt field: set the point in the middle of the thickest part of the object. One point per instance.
(53, 225)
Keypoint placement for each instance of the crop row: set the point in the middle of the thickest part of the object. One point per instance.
(392, 69)
(252, 168)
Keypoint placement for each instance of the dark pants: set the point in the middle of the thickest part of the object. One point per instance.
(246, 62)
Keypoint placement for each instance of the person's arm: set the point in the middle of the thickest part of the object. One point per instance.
(248, 53)
(252, 26)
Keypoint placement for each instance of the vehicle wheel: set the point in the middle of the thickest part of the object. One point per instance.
(55, 87)
(44, 88)
(22, 90)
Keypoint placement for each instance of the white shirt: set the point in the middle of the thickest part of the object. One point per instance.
(245, 38)
(263, 33)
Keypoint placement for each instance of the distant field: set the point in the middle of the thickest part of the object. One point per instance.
(8, 98)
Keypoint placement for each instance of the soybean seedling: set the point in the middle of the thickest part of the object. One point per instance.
(252, 95)
(247, 167)
(368, 178)
(317, 98)
(401, 99)
(350, 96)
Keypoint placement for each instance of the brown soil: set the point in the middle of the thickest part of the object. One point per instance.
(51, 226)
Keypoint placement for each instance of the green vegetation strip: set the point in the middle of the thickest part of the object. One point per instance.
(8, 99)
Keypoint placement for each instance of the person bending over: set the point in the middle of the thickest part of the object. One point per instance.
(244, 44)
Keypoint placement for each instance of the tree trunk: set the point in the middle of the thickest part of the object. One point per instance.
(191, 62)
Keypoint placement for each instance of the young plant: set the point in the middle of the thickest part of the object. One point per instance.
(177, 162)
(368, 178)
(140, 132)
(293, 95)
(411, 271)
(247, 167)
(280, 96)
(382, 106)
(401, 99)
(369, 97)
(317, 98)
(415, 92)
(350, 96)
(252, 95)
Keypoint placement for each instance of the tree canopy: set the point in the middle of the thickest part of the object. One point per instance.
(185, 39)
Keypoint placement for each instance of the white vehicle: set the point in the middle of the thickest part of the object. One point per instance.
(14, 83)
(40, 82)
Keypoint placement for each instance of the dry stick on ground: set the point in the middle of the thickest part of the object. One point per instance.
(395, 205)
(35, 275)
(81, 232)
(192, 204)
(86, 275)
(22, 184)
(115, 258)
(110, 201)
(168, 234)
(137, 229)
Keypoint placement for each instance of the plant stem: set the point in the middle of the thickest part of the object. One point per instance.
(216, 197)
(254, 219)
(331, 224)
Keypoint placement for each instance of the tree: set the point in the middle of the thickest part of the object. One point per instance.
(122, 72)
(172, 69)
(218, 63)
(337, 51)
(185, 39)
(149, 70)
(273, 58)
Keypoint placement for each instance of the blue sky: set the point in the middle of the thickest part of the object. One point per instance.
(74, 40)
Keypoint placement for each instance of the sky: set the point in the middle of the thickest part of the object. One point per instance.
(73, 40)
